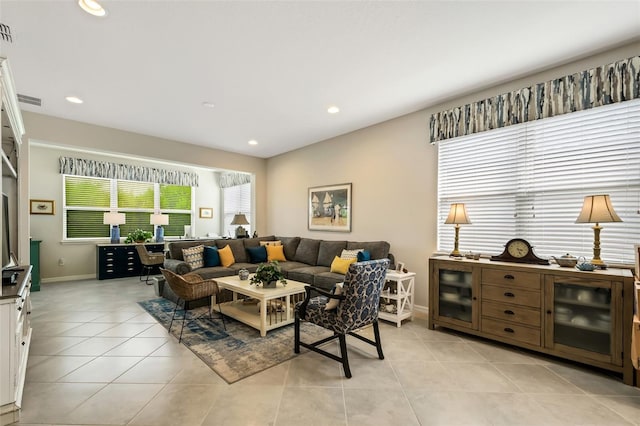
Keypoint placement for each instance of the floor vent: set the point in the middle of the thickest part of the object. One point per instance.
(29, 100)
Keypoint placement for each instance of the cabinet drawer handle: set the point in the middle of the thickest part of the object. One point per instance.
(24, 343)
(19, 308)
(509, 330)
(509, 277)
(509, 312)
(509, 294)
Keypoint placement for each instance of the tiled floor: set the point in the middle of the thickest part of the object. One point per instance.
(98, 358)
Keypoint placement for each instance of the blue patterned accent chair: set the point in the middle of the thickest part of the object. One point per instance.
(357, 307)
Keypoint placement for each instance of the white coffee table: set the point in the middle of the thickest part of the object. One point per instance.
(274, 308)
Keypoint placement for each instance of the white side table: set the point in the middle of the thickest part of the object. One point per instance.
(396, 300)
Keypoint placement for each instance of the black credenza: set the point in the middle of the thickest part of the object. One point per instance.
(121, 260)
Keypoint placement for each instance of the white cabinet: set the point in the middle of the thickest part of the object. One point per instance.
(15, 339)
(396, 300)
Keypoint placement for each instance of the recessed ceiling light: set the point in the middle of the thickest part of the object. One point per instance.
(333, 109)
(74, 99)
(92, 7)
(208, 104)
(253, 142)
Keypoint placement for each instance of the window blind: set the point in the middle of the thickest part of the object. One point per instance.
(529, 181)
(236, 199)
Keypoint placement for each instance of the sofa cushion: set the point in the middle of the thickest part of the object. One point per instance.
(251, 267)
(226, 256)
(307, 251)
(276, 253)
(326, 280)
(306, 273)
(328, 250)
(350, 254)
(340, 265)
(257, 254)
(363, 256)
(237, 248)
(291, 265)
(211, 256)
(290, 246)
(175, 247)
(378, 249)
(193, 256)
(214, 272)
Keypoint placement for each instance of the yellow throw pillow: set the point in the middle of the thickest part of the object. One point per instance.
(275, 253)
(341, 266)
(226, 256)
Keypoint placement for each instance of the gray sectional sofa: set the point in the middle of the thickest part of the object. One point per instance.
(308, 260)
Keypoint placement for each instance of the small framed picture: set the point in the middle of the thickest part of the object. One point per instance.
(400, 267)
(42, 207)
(206, 213)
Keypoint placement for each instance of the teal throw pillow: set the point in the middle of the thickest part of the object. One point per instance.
(363, 256)
(257, 254)
(211, 256)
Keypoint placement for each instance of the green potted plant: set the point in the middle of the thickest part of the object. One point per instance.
(268, 274)
(138, 236)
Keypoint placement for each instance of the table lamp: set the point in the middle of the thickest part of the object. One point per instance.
(159, 220)
(114, 219)
(597, 209)
(240, 219)
(457, 216)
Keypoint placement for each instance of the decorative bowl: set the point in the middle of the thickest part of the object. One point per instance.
(586, 266)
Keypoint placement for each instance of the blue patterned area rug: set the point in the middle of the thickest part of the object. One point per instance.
(236, 353)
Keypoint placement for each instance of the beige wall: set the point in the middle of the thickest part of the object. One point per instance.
(45, 133)
(393, 169)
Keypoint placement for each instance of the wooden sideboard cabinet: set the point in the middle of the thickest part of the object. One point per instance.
(577, 315)
(15, 339)
(121, 260)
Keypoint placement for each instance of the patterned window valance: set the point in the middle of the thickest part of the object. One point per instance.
(228, 180)
(607, 84)
(105, 169)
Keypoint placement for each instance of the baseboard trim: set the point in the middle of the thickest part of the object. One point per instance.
(68, 278)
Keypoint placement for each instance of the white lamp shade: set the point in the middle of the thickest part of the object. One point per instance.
(597, 209)
(113, 218)
(159, 219)
(457, 214)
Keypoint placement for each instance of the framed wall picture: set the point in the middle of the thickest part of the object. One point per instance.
(42, 207)
(206, 213)
(330, 208)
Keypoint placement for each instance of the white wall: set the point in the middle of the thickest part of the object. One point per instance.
(393, 169)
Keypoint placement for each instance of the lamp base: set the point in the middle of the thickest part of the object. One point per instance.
(455, 253)
(159, 234)
(115, 234)
(241, 232)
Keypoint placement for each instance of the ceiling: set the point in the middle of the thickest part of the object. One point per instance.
(272, 69)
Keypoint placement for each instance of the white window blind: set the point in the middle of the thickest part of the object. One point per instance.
(236, 199)
(529, 181)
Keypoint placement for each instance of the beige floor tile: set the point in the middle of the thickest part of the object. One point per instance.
(101, 370)
(384, 406)
(230, 408)
(579, 410)
(448, 408)
(594, 383)
(153, 370)
(311, 406)
(137, 346)
(626, 406)
(55, 367)
(116, 317)
(125, 330)
(502, 353)
(52, 328)
(88, 329)
(454, 352)
(53, 345)
(179, 404)
(51, 402)
(424, 375)
(114, 404)
(313, 369)
(93, 346)
(274, 376)
(478, 377)
(197, 372)
(156, 330)
(143, 317)
(371, 373)
(537, 379)
(173, 349)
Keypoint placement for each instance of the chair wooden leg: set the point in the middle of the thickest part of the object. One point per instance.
(376, 333)
(345, 358)
(296, 334)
